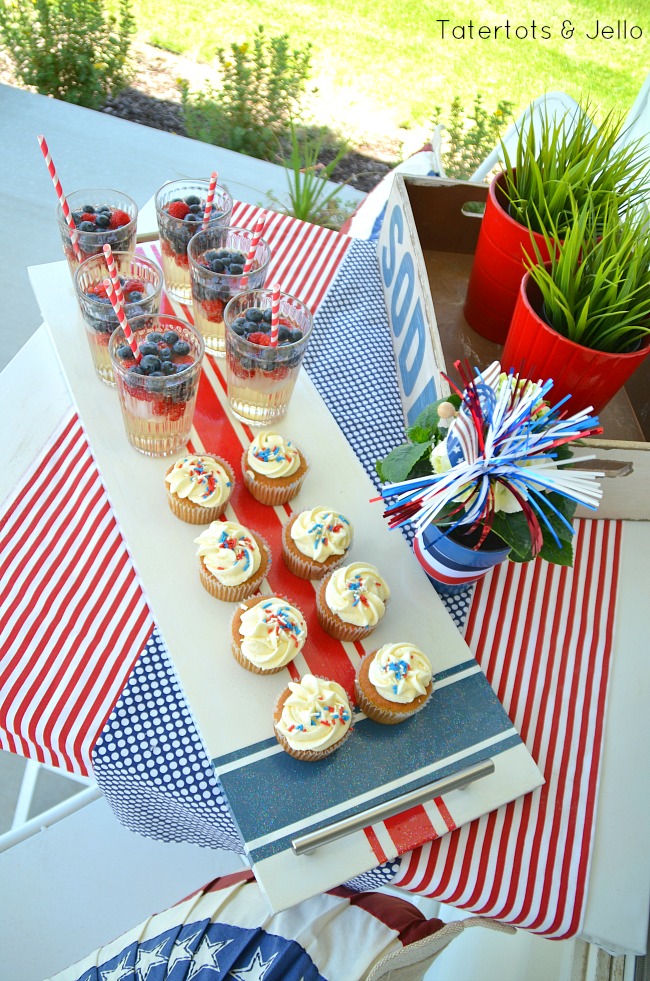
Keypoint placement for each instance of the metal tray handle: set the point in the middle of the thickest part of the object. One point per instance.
(323, 836)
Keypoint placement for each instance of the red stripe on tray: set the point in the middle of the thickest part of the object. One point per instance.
(75, 618)
(324, 655)
(409, 828)
(543, 635)
(375, 844)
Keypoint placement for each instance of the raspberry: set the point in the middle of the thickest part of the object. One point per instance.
(87, 217)
(133, 285)
(212, 310)
(119, 218)
(259, 338)
(97, 289)
(178, 209)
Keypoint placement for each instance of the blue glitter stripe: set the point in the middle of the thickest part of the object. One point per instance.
(283, 843)
(458, 717)
(456, 669)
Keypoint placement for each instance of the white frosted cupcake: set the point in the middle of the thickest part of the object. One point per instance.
(315, 542)
(273, 468)
(233, 560)
(351, 601)
(312, 718)
(267, 633)
(199, 488)
(393, 683)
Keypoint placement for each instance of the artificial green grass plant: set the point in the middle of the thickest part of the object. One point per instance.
(569, 159)
(596, 286)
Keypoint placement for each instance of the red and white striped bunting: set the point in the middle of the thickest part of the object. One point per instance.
(543, 636)
(73, 617)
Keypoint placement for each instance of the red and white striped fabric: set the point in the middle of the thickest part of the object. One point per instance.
(543, 636)
(73, 617)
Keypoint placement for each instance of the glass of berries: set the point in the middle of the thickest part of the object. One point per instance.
(100, 216)
(217, 259)
(141, 282)
(180, 209)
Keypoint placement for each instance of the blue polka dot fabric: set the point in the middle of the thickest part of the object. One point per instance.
(350, 345)
(151, 765)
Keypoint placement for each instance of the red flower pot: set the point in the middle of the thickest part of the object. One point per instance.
(537, 351)
(498, 267)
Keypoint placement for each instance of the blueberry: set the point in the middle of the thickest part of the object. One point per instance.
(86, 226)
(149, 364)
(192, 199)
(102, 220)
(238, 329)
(262, 327)
(191, 218)
(124, 352)
(170, 337)
(181, 348)
(210, 255)
(236, 269)
(135, 369)
(135, 296)
(218, 266)
(164, 353)
(254, 314)
(284, 333)
(296, 335)
(154, 338)
(195, 209)
(223, 254)
(104, 209)
(267, 316)
(168, 368)
(76, 216)
(88, 209)
(147, 349)
(238, 257)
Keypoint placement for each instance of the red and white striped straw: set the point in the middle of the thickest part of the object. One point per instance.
(112, 271)
(275, 315)
(257, 234)
(209, 200)
(121, 319)
(65, 208)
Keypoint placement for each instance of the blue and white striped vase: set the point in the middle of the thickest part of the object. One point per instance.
(450, 566)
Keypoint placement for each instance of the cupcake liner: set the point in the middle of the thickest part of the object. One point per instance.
(333, 625)
(197, 514)
(302, 566)
(233, 594)
(237, 651)
(272, 492)
(307, 755)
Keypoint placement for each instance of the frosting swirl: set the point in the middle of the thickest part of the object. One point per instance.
(230, 552)
(200, 479)
(321, 532)
(272, 632)
(357, 594)
(315, 715)
(270, 455)
(400, 672)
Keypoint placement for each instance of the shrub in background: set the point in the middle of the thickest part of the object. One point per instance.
(75, 50)
(261, 90)
(472, 135)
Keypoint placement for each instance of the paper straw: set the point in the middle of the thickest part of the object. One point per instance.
(121, 318)
(275, 315)
(257, 234)
(65, 208)
(112, 270)
(209, 200)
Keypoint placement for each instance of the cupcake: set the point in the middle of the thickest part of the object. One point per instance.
(199, 488)
(393, 683)
(315, 542)
(351, 601)
(267, 633)
(273, 468)
(233, 560)
(312, 718)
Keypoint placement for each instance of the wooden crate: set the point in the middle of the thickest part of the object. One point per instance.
(425, 254)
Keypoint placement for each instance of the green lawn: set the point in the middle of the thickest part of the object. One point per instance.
(388, 57)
